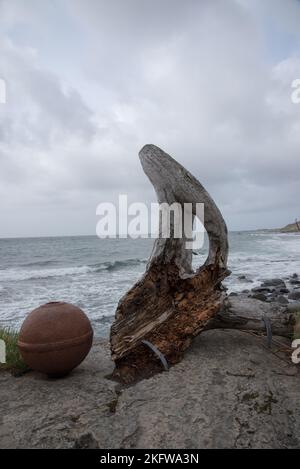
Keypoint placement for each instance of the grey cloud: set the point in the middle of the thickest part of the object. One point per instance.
(198, 79)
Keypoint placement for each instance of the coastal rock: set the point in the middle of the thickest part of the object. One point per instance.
(229, 391)
(285, 291)
(262, 290)
(273, 290)
(293, 307)
(282, 300)
(295, 282)
(295, 295)
(274, 282)
(245, 279)
(259, 296)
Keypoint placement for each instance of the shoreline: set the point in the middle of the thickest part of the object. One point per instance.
(229, 391)
(89, 274)
(277, 290)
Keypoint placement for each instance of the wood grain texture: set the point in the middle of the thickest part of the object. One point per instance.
(171, 303)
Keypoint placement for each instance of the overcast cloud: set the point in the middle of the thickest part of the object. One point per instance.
(89, 82)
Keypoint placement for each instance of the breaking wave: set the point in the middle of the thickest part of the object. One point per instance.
(21, 274)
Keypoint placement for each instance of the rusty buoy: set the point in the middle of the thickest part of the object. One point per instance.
(55, 338)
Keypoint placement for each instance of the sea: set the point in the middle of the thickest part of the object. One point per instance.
(95, 273)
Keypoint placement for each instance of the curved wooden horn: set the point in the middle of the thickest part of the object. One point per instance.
(173, 183)
(170, 304)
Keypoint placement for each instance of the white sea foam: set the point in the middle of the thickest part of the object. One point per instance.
(94, 274)
(37, 274)
(19, 274)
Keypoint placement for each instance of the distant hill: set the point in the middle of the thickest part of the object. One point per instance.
(290, 228)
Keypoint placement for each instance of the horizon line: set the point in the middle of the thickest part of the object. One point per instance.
(144, 236)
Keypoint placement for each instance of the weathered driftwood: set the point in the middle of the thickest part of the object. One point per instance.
(243, 313)
(171, 303)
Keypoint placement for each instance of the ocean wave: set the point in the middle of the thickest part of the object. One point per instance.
(116, 265)
(23, 274)
(39, 263)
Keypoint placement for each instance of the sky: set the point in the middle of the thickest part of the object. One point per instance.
(90, 82)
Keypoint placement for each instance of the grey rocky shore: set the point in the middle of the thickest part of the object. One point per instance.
(276, 290)
(229, 391)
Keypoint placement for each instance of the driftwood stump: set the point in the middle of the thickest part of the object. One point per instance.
(171, 303)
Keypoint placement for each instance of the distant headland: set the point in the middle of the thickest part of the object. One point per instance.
(290, 228)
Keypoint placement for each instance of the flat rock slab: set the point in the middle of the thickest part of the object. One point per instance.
(228, 392)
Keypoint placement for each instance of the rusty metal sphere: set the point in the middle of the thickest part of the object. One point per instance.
(55, 338)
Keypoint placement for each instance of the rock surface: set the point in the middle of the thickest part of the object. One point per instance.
(294, 296)
(275, 290)
(228, 392)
